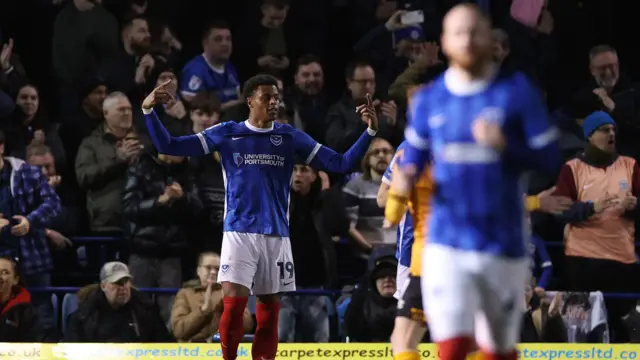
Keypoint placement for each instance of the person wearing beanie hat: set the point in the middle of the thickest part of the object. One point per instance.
(600, 231)
(594, 122)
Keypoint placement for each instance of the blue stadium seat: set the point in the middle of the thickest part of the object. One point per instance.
(341, 309)
(56, 312)
(69, 305)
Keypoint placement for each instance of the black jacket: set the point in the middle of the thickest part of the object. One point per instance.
(369, 316)
(321, 210)
(344, 126)
(18, 320)
(156, 229)
(138, 321)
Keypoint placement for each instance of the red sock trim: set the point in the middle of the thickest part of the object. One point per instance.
(456, 348)
(509, 355)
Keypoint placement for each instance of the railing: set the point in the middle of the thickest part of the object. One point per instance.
(106, 239)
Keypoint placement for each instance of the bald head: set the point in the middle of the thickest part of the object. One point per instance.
(466, 37)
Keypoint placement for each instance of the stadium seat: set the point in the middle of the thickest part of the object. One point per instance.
(341, 309)
(69, 305)
(56, 312)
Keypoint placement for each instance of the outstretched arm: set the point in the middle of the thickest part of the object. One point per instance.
(320, 156)
(189, 145)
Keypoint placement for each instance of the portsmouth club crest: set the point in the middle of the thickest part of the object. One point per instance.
(276, 140)
(237, 158)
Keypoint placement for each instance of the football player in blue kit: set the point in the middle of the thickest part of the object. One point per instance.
(258, 157)
(479, 128)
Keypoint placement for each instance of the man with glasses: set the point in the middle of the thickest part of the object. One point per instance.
(344, 126)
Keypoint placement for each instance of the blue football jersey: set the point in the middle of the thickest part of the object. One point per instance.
(257, 167)
(199, 75)
(405, 228)
(478, 203)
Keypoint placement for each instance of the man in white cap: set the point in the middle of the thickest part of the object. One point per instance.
(116, 313)
(115, 282)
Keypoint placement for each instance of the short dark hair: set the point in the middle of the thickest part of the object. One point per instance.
(214, 25)
(278, 4)
(206, 102)
(3, 139)
(253, 83)
(353, 65)
(129, 19)
(601, 49)
(306, 60)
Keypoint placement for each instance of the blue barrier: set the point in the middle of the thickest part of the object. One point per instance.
(105, 239)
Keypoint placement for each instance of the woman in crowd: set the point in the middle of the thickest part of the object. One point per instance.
(18, 322)
(196, 312)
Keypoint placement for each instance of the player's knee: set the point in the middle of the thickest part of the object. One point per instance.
(269, 299)
(234, 290)
(406, 334)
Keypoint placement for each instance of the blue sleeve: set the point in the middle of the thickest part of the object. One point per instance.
(417, 134)
(6, 104)
(322, 157)
(386, 177)
(190, 145)
(540, 149)
(190, 80)
(544, 261)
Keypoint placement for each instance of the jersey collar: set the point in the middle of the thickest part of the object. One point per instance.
(257, 129)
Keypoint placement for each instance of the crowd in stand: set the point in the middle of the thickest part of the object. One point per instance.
(76, 161)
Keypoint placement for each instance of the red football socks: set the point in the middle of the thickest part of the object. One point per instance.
(456, 348)
(511, 355)
(232, 326)
(265, 342)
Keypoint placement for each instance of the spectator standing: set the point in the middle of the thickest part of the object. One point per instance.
(85, 35)
(195, 316)
(343, 127)
(131, 66)
(611, 91)
(13, 75)
(18, 322)
(67, 221)
(372, 311)
(314, 219)
(267, 41)
(599, 236)
(27, 199)
(73, 129)
(209, 181)
(159, 203)
(117, 313)
(30, 123)
(212, 70)
(306, 101)
(102, 162)
(360, 196)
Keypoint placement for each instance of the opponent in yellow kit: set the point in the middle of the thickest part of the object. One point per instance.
(410, 324)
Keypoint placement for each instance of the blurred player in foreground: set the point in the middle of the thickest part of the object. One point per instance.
(410, 325)
(481, 127)
(258, 157)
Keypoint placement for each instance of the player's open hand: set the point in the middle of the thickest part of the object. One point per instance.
(488, 133)
(553, 204)
(368, 114)
(160, 95)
